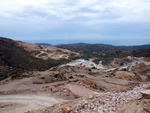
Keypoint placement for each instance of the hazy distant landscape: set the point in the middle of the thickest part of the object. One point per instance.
(82, 56)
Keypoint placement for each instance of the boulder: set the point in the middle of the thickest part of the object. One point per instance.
(67, 109)
(145, 94)
(90, 97)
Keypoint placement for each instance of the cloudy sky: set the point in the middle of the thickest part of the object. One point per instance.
(118, 22)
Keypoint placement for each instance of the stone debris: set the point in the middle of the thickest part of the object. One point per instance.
(86, 63)
(90, 97)
(106, 102)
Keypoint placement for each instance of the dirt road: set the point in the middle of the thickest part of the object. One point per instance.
(24, 103)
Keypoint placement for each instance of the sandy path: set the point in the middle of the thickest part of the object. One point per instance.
(24, 103)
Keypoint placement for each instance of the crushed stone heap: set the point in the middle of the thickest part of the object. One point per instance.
(105, 102)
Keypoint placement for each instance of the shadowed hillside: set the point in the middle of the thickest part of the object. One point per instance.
(14, 60)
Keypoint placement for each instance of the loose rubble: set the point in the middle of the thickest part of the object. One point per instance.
(85, 63)
(107, 102)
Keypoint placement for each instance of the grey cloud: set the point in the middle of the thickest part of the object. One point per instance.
(76, 17)
(31, 11)
(86, 10)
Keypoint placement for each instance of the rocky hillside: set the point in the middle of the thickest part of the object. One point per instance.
(45, 52)
(17, 57)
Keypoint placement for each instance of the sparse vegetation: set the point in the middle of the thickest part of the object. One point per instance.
(15, 76)
(106, 53)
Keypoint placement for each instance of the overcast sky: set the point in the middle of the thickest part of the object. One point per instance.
(118, 22)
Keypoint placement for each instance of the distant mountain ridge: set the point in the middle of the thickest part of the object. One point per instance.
(128, 48)
(43, 44)
(133, 48)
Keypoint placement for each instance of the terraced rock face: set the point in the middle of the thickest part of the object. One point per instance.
(99, 90)
(45, 52)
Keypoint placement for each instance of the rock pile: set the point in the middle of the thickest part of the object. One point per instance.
(106, 102)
